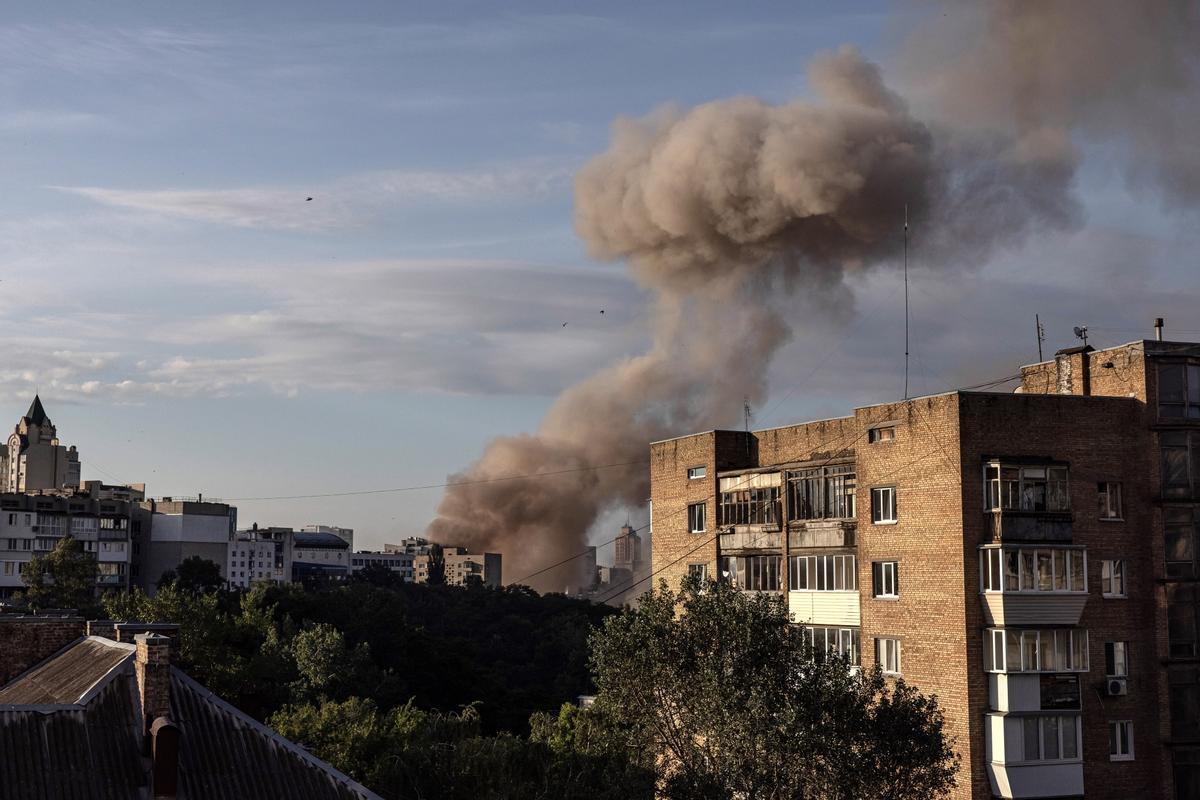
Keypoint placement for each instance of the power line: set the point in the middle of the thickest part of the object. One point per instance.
(438, 485)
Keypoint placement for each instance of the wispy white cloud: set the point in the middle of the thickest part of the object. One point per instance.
(478, 327)
(343, 203)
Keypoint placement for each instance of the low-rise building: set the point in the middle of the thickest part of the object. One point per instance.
(319, 556)
(347, 534)
(399, 563)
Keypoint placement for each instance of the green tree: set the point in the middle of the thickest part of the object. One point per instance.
(194, 575)
(63, 578)
(437, 566)
(327, 667)
(730, 694)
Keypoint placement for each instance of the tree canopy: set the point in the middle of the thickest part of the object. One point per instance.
(63, 578)
(739, 704)
(195, 575)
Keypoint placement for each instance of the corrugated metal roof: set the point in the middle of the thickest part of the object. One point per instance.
(227, 754)
(66, 677)
(90, 752)
(71, 728)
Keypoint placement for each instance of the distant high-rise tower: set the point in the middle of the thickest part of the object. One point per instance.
(628, 551)
(34, 460)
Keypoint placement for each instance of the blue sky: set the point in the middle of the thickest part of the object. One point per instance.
(194, 322)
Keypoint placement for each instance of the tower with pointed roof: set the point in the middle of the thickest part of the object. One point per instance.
(34, 460)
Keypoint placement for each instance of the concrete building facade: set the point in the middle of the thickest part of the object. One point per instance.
(181, 528)
(1029, 557)
(33, 524)
(399, 563)
(319, 556)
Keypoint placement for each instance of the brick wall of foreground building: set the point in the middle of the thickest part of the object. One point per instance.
(1094, 414)
(28, 640)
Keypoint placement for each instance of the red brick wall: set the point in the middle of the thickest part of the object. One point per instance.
(26, 641)
(1103, 439)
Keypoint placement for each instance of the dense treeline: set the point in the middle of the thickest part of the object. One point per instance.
(508, 652)
(449, 693)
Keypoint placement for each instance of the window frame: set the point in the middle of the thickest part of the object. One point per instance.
(702, 515)
(1104, 498)
(822, 569)
(878, 510)
(698, 571)
(1116, 659)
(824, 492)
(1188, 406)
(1039, 720)
(1005, 492)
(1028, 570)
(1069, 647)
(696, 473)
(881, 434)
(887, 649)
(1111, 571)
(880, 579)
(1114, 741)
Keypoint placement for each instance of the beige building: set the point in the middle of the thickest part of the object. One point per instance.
(34, 460)
(1031, 558)
(181, 528)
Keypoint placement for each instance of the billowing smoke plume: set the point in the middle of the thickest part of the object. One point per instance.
(724, 208)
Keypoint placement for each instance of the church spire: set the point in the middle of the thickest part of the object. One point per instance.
(36, 414)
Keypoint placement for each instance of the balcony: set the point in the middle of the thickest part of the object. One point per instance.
(1013, 609)
(752, 538)
(1029, 526)
(823, 533)
(1036, 780)
(834, 609)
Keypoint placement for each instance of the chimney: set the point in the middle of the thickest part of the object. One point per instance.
(152, 665)
(1158, 326)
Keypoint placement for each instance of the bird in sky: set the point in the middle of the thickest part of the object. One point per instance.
(307, 199)
(564, 324)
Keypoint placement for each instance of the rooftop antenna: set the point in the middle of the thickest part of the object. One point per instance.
(1081, 333)
(906, 301)
(746, 414)
(1041, 335)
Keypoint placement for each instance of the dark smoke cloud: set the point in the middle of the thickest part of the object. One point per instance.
(723, 209)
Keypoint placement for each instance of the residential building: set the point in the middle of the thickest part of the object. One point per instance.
(399, 563)
(253, 557)
(627, 550)
(110, 716)
(347, 534)
(32, 524)
(34, 460)
(413, 546)
(461, 566)
(181, 528)
(319, 556)
(1031, 558)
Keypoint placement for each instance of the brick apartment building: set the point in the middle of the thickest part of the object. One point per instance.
(1030, 557)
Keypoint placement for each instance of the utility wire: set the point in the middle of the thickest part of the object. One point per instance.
(439, 485)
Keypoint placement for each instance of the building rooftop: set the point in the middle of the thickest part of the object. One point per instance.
(327, 540)
(66, 678)
(71, 727)
(36, 414)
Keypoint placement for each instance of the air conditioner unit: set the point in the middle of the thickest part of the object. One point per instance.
(1117, 686)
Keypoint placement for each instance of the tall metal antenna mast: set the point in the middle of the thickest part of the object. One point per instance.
(1041, 335)
(906, 301)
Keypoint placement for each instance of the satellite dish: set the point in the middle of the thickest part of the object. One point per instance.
(1081, 333)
